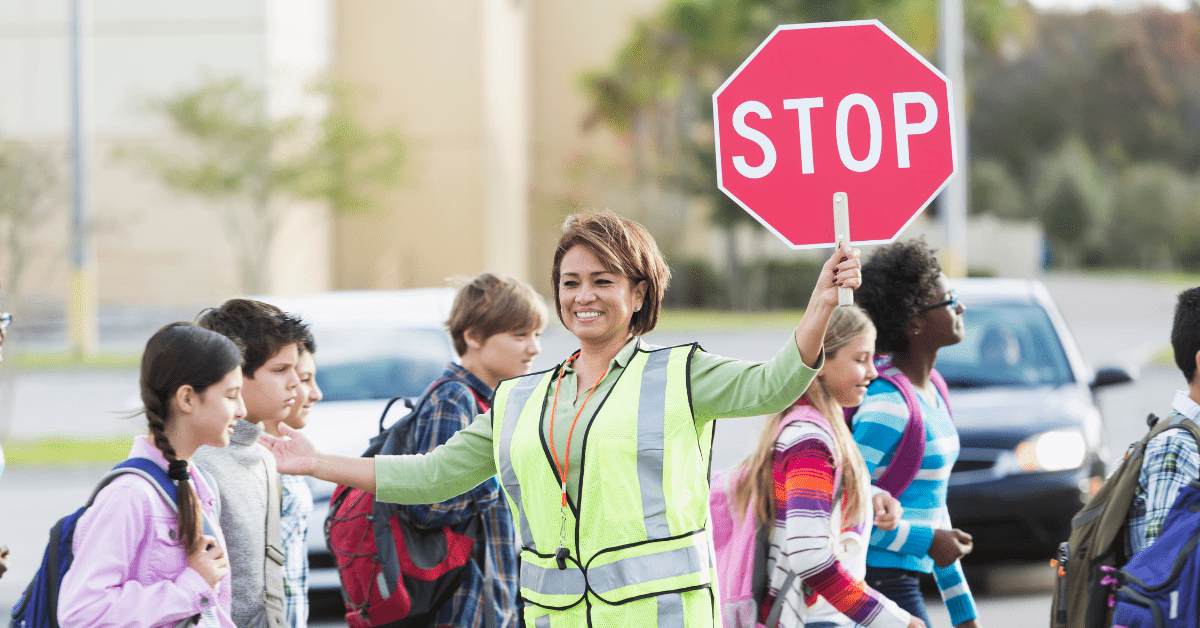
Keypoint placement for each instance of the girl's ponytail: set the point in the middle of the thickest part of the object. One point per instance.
(178, 355)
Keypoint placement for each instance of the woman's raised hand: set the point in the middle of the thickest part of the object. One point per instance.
(209, 561)
(843, 269)
(294, 453)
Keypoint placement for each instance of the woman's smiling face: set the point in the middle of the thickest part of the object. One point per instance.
(596, 303)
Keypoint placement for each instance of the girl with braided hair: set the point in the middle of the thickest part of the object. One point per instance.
(137, 562)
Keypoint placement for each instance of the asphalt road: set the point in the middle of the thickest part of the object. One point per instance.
(1122, 321)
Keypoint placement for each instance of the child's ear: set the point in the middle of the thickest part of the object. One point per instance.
(1197, 363)
(473, 338)
(186, 398)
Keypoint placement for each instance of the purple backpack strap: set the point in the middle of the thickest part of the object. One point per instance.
(910, 451)
(939, 382)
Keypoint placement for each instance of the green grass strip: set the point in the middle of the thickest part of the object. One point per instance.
(65, 451)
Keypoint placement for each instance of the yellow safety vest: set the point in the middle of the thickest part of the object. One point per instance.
(640, 551)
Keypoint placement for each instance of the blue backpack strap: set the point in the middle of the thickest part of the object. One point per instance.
(157, 476)
(910, 451)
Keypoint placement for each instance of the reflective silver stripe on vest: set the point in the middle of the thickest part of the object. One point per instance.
(517, 398)
(670, 610)
(542, 622)
(643, 569)
(622, 573)
(553, 581)
(652, 402)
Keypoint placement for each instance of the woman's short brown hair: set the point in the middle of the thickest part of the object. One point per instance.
(490, 304)
(623, 247)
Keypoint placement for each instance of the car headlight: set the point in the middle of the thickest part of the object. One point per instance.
(1052, 451)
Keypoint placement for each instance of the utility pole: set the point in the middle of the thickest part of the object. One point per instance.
(954, 197)
(81, 308)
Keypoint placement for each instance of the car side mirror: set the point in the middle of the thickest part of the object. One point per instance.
(1110, 376)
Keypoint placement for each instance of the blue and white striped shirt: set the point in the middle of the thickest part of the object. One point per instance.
(878, 426)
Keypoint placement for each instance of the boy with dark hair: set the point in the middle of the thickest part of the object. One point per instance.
(245, 470)
(1172, 458)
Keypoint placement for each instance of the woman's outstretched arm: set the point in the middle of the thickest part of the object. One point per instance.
(448, 471)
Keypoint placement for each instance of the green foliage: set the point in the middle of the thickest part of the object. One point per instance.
(1066, 218)
(657, 90)
(251, 163)
(1095, 117)
(994, 190)
(696, 284)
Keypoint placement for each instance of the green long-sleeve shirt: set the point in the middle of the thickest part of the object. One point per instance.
(721, 387)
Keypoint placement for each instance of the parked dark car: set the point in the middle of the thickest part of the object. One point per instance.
(1024, 400)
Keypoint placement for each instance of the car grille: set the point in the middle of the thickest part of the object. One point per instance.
(962, 466)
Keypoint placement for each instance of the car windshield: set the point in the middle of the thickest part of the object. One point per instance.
(366, 363)
(1006, 344)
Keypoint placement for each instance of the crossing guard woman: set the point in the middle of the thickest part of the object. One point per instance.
(604, 459)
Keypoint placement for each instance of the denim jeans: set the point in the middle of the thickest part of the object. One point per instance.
(900, 586)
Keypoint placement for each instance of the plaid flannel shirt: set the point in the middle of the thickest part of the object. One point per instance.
(450, 408)
(1171, 461)
(295, 507)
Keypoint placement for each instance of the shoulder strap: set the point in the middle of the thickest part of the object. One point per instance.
(274, 593)
(1179, 421)
(910, 451)
(777, 607)
(150, 471)
(157, 477)
(212, 486)
(943, 389)
(420, 402)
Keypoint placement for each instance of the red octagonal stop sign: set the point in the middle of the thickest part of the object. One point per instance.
(834, 107)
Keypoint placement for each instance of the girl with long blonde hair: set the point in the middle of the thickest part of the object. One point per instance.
(808, 477)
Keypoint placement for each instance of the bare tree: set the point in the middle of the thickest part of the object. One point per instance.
(29, 186)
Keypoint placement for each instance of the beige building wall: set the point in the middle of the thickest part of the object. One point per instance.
(488, 95)
(452, 76)
(154, 247)
(570, 37)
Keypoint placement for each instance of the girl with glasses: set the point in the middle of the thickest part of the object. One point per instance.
(915, 314)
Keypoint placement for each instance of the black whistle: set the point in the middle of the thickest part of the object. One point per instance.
(561, 555)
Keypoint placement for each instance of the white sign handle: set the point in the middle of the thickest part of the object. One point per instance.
(841, 231)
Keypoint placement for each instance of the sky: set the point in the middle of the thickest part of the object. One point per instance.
(1120, 5)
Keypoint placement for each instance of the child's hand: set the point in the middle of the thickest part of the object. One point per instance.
(294, 453)
(210, 563)
(887, 511)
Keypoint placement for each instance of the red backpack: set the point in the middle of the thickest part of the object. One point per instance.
(393, 573)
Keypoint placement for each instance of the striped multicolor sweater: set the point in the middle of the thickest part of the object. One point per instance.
(829, 560)
(878, 426)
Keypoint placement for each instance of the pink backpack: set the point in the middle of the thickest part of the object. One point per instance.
(742, 544)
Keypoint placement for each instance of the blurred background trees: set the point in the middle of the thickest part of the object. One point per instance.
(30, 185)
(1088, 124)
(252, 163)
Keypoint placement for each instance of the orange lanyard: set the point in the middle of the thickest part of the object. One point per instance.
(565, 464)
